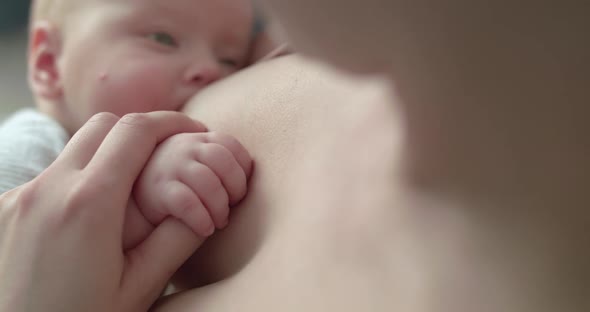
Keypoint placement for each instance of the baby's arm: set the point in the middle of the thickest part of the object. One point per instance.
(194, 177)
(29, 143)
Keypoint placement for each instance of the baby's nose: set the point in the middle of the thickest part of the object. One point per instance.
(203, 74)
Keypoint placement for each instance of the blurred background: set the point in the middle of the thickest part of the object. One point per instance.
(14, 92)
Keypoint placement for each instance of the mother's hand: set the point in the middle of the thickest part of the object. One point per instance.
(61, 234)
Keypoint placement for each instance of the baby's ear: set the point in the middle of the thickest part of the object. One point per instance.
(44, 49)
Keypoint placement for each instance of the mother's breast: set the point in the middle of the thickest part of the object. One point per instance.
(288, 112)
(278, 107)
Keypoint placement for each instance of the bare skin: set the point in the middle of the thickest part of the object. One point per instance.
(479, 204)
(332, 224)
(299, 143)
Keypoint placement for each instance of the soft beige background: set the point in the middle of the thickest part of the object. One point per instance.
(14, 92)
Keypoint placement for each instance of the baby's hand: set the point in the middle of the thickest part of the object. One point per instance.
(194, 177)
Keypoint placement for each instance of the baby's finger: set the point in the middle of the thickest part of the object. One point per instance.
(85, 142)
(184, 204)
(234, 146)
(207, 185)
(226, 167)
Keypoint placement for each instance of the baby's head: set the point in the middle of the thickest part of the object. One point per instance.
(123, 56)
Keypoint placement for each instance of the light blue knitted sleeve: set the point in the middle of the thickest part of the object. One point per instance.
(29, 143)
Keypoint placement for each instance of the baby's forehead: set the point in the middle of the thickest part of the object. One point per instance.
(54, 10)
(232, 16)
(200, 16)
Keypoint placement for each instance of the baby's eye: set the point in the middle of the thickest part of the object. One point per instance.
(229, 62)
(163, 38)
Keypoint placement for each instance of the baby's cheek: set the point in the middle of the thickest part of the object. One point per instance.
(128, 90)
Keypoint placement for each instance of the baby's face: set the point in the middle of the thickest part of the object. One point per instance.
(128, 56)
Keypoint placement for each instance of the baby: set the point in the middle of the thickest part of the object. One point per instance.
(126, 56)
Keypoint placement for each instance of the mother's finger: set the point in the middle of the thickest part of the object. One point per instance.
(79, 151)
(151, 264)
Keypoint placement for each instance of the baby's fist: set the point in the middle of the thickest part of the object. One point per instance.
(194, 177)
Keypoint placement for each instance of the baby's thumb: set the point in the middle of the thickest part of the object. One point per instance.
(150, 265)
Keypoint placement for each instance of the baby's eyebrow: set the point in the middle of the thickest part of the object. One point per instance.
(165, 10)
